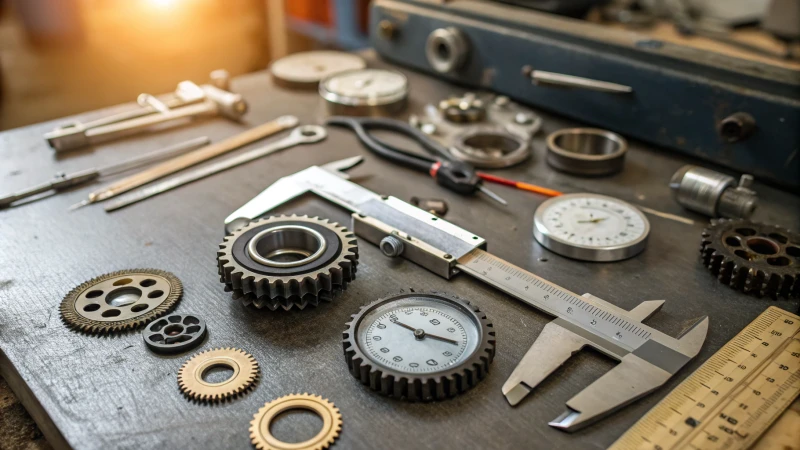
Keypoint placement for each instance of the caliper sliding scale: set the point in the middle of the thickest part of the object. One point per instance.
(648, 358)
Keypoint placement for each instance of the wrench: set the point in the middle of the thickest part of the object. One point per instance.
(305, 134)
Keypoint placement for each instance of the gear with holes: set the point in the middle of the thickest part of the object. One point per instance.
(120, 301)
(419, 346)
(288, 261)
(245, 375)
(758, 259)
(262, 438)
(174, 333)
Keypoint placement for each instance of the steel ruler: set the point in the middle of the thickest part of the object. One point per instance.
(733, 397)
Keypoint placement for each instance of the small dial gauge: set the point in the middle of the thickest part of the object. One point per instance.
(591, 227)
(419, 335)
(365, 92)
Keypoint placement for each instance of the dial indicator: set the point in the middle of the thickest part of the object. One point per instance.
(426, 335)
(591, 227)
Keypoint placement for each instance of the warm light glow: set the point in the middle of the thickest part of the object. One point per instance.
(163, 4)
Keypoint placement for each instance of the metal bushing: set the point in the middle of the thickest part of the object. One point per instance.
(586, 151)
(446, 49)
(490, 147)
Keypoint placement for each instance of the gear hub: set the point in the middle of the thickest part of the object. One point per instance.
(758, 259)
(288, 261)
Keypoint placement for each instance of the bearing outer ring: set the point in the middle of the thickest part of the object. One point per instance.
(577, 163)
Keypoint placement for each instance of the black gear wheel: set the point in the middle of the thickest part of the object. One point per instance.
(327, 252)
(120, 301)
(421, 386)
(758, 259)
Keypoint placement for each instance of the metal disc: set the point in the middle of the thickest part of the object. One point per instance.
(305, 70)
(174, 333)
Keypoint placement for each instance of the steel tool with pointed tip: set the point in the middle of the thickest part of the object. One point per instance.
(648, 358)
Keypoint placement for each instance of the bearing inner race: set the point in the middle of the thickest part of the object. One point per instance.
(286, 246)
(586, 151)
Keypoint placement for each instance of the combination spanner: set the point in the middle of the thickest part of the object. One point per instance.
(648, 358)
(304, 134)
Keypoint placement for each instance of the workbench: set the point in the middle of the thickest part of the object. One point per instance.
(89, 392)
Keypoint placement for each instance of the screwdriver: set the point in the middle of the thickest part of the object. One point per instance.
(62, 181)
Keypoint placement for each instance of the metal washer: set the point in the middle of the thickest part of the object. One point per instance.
(174, 333)
(262, 438)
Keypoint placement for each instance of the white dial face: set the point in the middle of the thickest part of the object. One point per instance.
(593, 221)
(418, 336)
(367, 83)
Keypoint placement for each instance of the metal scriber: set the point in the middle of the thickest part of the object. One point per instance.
(648, 358)
(306, 134)
(63, 181)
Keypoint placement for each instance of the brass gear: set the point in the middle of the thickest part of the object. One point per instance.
(245, 375)
(248, 261)
(262, 438)
(120, 301)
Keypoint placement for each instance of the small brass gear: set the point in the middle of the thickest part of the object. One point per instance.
(245, 375)
(262, 438)
(120, 301)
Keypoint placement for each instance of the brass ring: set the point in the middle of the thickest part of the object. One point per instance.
(245, 374)
(262, 438)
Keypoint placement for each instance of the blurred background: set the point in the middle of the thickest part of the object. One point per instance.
(61, 57)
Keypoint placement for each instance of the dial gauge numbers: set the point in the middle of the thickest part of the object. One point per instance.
(591, 227)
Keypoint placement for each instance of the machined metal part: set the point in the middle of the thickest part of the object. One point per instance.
(190, 101)
(486, 131)
(365, 92)
(648, 357)
(433, 383)
(558, 228)
(447, 49)
(174, 333)
(713, 194)
(120, 301)
(194, 386)
(757, 259)
(305, 70)
(435, 206)
(288, 261)
(586, 151)
(261, 437)
(302, 135)
(561, 80)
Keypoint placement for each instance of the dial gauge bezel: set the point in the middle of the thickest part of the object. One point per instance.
(354, 104)
(464, 319)
(550, 239)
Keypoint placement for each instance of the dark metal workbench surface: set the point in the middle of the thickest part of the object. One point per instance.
(99, 392)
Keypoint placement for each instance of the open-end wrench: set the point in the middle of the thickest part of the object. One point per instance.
(305, 134)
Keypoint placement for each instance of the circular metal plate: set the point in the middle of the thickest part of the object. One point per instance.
(174, 333)
(305, 70)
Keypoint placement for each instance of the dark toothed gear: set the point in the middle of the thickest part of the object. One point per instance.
(288, 261)
(422, 386)
(758, 259)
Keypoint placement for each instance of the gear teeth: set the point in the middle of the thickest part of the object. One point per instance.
(190, 378)
(288, 291)
(772, 275)
(422, 388)
(262, 439)
(78, 322)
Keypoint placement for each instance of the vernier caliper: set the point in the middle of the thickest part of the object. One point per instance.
(648, 358)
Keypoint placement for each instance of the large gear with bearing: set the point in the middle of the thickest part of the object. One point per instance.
(445, 381)
(120, 301)
(288, 261)
(262, 438)
(194, 386)
(758, 259)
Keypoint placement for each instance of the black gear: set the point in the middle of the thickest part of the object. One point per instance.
(421, 387)
(758, 259)
(267, 285)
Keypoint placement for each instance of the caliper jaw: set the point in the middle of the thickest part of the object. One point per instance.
(631, 379)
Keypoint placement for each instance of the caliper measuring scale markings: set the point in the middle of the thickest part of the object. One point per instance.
(648, 358)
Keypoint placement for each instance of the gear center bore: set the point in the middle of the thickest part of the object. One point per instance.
(286, 246)
(123, 296)
(206, 371)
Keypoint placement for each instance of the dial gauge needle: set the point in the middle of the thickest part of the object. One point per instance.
(423, 334)
(596, 220)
